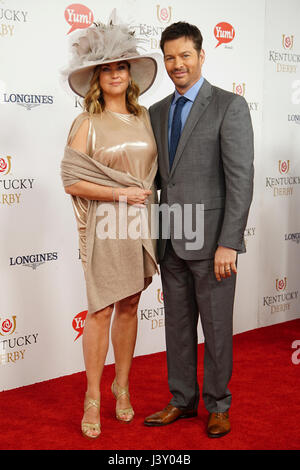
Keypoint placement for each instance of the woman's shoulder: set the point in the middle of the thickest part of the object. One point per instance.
(78, 120)
(79, 131)
(144, 111)
(82, 121)
(145, 115)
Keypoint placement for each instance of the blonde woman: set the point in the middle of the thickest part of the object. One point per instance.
(111, 156)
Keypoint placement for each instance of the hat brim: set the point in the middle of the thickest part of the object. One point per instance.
(143, 70)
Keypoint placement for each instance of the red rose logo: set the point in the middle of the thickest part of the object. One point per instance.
(288, 43)
(164, 14)
(3, 165)
(160, 296)
(281, 284)
(7, 326)
(239, 89)
(284, 166)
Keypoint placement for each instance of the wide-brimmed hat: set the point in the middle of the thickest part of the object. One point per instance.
(102, 44)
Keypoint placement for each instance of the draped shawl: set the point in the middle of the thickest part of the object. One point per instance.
(120, 266)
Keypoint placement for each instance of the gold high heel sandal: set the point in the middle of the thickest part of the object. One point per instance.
(118, 392)
(86, 427)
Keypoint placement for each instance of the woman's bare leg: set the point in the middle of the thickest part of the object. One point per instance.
(95, 345)
(124, 332)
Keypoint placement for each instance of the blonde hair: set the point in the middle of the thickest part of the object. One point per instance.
(94, 102)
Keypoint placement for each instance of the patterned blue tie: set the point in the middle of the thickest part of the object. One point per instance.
(176, 128)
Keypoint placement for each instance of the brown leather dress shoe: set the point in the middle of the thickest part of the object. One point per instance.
(218, 424)
(168, 415)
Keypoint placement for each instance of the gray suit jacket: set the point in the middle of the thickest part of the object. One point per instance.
(213, 166)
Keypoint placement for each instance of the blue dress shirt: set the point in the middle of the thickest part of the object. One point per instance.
(191, 96)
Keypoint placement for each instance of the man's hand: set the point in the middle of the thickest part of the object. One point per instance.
(225, 262)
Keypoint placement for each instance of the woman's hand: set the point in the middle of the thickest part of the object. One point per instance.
(135, 196)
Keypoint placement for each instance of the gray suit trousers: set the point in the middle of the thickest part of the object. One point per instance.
(190, 288)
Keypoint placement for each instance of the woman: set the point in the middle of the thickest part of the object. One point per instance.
(111, 156)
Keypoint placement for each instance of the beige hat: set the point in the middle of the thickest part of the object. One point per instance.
(102, 44)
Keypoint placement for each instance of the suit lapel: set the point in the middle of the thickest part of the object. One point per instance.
(164, 131)
(200, 104)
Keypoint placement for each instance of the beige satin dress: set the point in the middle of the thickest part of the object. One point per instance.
(123, 142)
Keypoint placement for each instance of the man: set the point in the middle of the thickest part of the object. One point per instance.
(205, 147)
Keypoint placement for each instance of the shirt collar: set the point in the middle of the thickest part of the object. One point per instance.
(191, 93)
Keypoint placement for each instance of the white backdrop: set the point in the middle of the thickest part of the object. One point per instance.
(252, 48)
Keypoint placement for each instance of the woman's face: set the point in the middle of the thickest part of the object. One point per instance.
(114, 78)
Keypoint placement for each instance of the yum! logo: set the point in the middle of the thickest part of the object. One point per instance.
(78, 16)
(78, 323)
(224, 33)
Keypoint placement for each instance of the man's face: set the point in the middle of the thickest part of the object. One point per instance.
(182, 62)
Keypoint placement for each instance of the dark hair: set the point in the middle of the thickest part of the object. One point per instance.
(180, 29)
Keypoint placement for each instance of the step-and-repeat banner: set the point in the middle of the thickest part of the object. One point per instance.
(252, 49)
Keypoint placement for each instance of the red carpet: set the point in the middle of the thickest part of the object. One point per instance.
(265, 412)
